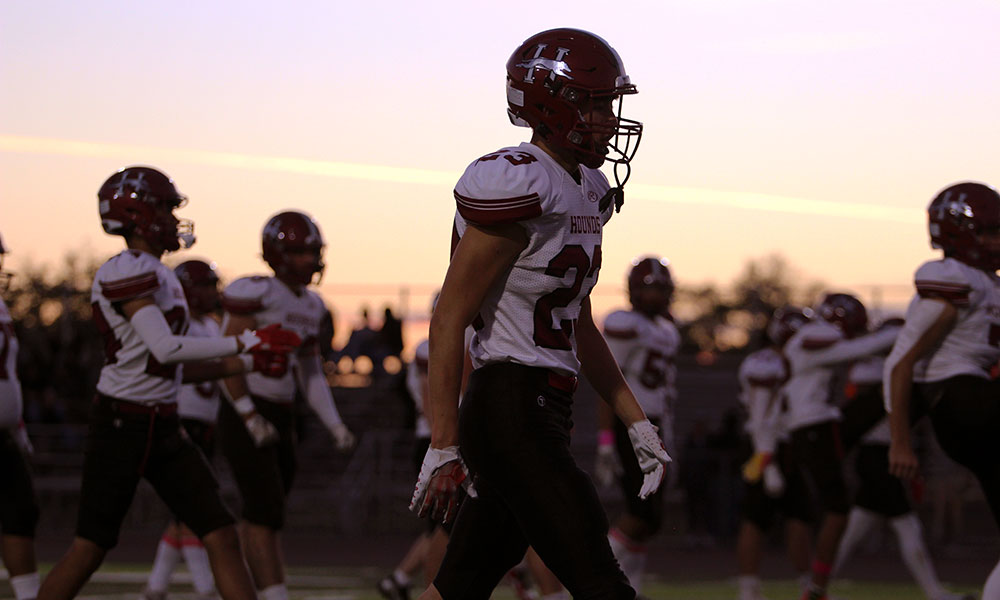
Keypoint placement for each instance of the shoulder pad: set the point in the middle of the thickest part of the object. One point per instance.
(245, 296)
(763, 368)
(817, 335)
(503, 187)
(621, 325)
(128, 275)
(945, 279)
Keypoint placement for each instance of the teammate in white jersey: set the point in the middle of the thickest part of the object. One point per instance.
(880, 497)
(644, 341)
(772, 482)
(817, 354)
(18, 505)
(940, 363)
(139, 308)
(198, 407)
(528, 232)
(263, 462)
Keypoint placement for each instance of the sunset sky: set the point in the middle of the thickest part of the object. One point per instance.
(812, 129)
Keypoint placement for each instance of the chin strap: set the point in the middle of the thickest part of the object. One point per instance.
(616, 193)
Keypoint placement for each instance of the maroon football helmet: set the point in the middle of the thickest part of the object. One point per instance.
(846, 312)
(958, 216)
(551, 80)
(201, 285)
(650, 273)
(293, 232)
(785, 321)
(130, 202)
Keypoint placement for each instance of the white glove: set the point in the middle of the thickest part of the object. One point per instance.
(22, 439)
(343, 439)
(607, 467)
(262, 432)
(774, 481)
(651, 454)
(441, 475)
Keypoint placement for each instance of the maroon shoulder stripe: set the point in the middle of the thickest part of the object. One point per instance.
(957, 294)
(503, 210)
(620, 334)
(127, 288)
(241, 306)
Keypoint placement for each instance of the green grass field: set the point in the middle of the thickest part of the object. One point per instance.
(125, 582)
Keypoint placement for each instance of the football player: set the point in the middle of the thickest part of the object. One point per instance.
(772, 483)
(140, 310)
(528, 249)
(198, 408)
(263, 461)
(881, 497)
(817, 355)
(18, 505)
(644, 341)
(940, 365)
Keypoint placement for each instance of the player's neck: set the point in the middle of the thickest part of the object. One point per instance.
(564, 158)
(295, 287)
(138, 243)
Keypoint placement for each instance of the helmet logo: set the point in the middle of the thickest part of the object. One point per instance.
(556, 67)
(138, 177)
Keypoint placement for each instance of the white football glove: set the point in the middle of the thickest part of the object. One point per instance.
(651, 454)
(343, 439)
(774, 481)
(441, 475)
(261, 431)
(607, 467)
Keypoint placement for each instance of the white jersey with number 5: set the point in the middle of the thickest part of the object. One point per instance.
(271, 301)
(11, 402)
(973, 344)
(200, 400)
(645, 349)
(130, 372)
(529, 316)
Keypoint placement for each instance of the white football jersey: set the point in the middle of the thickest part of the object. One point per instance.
(271, 301)
(815, 353)
(11, 401)
(865, 373)
(529, 316)
(972, 347)
(421, 357)
(130, 372)
(200, 400)
(645, 349)
(762, 375)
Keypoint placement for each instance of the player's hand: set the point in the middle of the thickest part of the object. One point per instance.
(754, 468)
(607, 467)
(272, 338)
(270, 364)
(651, 454)
(774, 481)
(22, 439)
(261, 431)
(441, 475)
(902, 461)
(343, 439)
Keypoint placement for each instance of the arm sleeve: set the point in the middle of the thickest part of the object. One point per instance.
(762, 423)
(848, 350)
(150, 324)
(317, 391)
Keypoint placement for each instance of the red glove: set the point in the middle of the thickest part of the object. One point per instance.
(271, 339)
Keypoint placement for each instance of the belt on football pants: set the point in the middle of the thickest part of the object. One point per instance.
(564, 383)
(126, 407)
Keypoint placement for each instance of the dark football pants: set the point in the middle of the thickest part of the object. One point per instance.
(514, 433)
(819, 454)
(965, 412)
(879, 490)
(18, 505)
(761, 509)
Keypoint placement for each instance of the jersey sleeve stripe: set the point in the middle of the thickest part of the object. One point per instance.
(954, 293)
(488, 212)
(137, 286)
(241, 306)
(817, 343)
(621, 334)
(765, 381)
